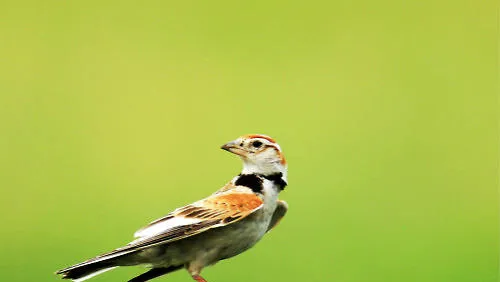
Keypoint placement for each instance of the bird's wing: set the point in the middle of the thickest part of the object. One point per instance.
(191, 214)
(218, 210)
(278, 214)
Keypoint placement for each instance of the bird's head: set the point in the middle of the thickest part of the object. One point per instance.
(260, 154)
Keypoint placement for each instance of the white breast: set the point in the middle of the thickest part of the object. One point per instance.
(270, 198)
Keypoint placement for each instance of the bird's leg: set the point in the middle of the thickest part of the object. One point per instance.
(198, 278)
(194, 268)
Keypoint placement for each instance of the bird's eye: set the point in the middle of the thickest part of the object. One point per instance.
(257, 144)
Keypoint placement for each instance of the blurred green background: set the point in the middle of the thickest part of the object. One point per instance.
(112, 114)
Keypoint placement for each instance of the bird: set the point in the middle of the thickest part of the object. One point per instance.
(220, 226)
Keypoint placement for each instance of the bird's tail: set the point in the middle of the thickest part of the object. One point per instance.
(81, 272)
(95, 266)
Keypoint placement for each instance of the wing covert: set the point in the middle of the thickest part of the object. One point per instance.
(217, 210)
(278, 214)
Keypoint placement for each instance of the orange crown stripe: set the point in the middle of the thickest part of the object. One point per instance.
(260, 136)
(282, 158)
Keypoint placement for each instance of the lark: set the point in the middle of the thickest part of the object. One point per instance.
(220, 226)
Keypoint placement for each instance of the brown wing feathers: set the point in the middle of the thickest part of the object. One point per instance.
(217, 206)
(217, 210)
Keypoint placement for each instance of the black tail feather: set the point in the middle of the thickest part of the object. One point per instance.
(76, 272)
(153, 273)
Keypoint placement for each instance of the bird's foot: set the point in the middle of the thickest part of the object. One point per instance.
(198, 278)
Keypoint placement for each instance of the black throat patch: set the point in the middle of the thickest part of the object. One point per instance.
(251, 181)
(277, 178)
(256, 181)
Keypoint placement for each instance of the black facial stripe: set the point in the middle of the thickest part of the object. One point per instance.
(277, 178)
(251, 181)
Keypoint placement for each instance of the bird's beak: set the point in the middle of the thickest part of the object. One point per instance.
(234, 148)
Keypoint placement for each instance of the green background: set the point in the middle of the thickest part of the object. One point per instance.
(112, 114)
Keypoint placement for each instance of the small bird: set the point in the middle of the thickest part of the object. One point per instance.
(218, 227)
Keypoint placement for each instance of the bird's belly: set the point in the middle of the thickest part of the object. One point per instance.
(240, 237)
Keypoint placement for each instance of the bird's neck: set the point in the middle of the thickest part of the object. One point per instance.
(274, 172)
